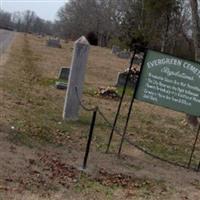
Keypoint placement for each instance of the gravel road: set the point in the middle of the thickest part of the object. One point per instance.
(5, 39)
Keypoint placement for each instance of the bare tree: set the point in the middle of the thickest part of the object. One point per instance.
(196, 39)
(28, 19)
(196, 27)
(79, 17)
(5, 19)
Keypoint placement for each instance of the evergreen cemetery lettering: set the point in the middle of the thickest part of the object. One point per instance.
(170, 82)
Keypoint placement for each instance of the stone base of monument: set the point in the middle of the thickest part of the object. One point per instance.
(61, 85)
(121, 79)
(64, 73)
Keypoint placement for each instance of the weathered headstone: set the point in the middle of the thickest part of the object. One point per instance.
(124, 54)
(64, 73)
(54, 43)
(115, 49)
(121, 79)
(76, 79)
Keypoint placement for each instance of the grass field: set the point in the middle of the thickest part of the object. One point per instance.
(31, 118)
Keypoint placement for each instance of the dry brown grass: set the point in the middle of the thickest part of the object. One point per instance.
(153, 127)
(102, 68)
(33, 105)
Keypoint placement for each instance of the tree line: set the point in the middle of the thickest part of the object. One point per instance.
(165, 25)
(26, 21)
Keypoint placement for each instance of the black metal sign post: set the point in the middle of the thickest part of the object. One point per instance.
(139, 95)
(121, 100)
(193, 148)
(131, 105)
(198, 168)
(126, 125)
(89, 139)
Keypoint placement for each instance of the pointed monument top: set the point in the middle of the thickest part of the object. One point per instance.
(82, 40)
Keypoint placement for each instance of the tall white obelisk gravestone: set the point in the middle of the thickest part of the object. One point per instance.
(76, 79)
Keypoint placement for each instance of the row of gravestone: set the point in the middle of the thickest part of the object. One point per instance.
(121, 79)
(51, 42)
(63, 77)
(54, 43)
(124, 54)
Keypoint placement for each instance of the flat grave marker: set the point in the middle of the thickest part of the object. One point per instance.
(64, 73)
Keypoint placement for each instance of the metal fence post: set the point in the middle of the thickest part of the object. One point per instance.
(194, 146)
(121, 100)
(89, 139)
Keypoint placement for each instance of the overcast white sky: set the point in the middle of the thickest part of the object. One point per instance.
(45, 9)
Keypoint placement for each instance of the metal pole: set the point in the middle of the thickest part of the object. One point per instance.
(194, 146)
(89, 139)
(126, 125)
(198, 168)
(120, 103)
(131, 105)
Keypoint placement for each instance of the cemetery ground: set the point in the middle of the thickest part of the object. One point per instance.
(41, 154)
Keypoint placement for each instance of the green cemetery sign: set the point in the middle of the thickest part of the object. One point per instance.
(170, 82)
